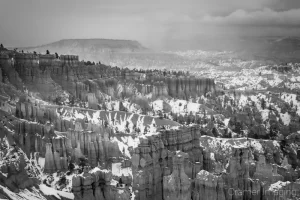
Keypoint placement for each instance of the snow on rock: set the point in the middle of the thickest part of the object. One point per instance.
(158, 105)
(41, 162)
(183, 106)
(278, 185)
(79, 115)
(122, 146)
(226, 121)
(291, 98)
(225, 145)
(130, 141)
(265, 114)
(117, 170)
(286, 118)
(58, 194)
(23, 194)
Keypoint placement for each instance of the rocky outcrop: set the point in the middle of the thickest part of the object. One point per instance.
(49, 76)
(20, 173)
(183, 88)
(1, 76)
(178, 184)
(9, 74)
(266, 172)
(152, 160)
(49, 160)
(208, 186)
(34, 76)
(96, 184)
(161, 163)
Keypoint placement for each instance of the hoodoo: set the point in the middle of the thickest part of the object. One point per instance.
(102, 132)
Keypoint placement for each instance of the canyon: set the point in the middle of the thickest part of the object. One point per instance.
(72, 130)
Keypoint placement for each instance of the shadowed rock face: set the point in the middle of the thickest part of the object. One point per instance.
(178, 184)
(20, 174)
(96, 184)
(1, 75)
(157, 166)
(49, 77)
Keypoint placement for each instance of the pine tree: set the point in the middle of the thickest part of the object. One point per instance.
(263, 103)
(214, 132)
(270, 108)
(175, 118)
(226, 132)
(47, 52)
(212, 118)
(104, 107)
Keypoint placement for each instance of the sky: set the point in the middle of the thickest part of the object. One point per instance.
(155, 23)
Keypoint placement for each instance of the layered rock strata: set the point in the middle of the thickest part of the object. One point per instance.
(96, 184)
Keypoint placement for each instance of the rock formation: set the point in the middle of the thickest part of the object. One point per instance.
(178, 184)
(20, 173)
(96, 184)
(98, 154)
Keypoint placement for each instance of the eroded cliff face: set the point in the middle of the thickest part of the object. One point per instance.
(177, 87)
(96, 184)
(177, 185)
(206, 167)
(50, 77)
(1, 76)
(99, 154)
(20, 174)
(220, 172)
(9, 74)
(152, 160)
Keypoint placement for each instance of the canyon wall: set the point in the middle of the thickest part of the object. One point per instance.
(169, 163)
(49, 76)
(157, 161)
(177, 87)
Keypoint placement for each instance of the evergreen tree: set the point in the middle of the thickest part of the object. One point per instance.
(175, 118)
(270, 108)
(226, 132)
(199, 120)
(205, 92)
(121, 106)
(160, 115)
(188, 120)
(263, 103)
(47, 52)
(104, 107)
(1, 46)
(212, 118)
(214, 132)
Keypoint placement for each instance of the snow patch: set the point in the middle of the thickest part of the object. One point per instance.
(58, 194)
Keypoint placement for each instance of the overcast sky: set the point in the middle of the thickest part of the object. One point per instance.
(154, 23)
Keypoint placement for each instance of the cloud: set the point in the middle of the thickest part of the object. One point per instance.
(265, 17)
(150, 22)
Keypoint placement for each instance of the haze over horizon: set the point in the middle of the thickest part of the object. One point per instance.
(155, 24)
